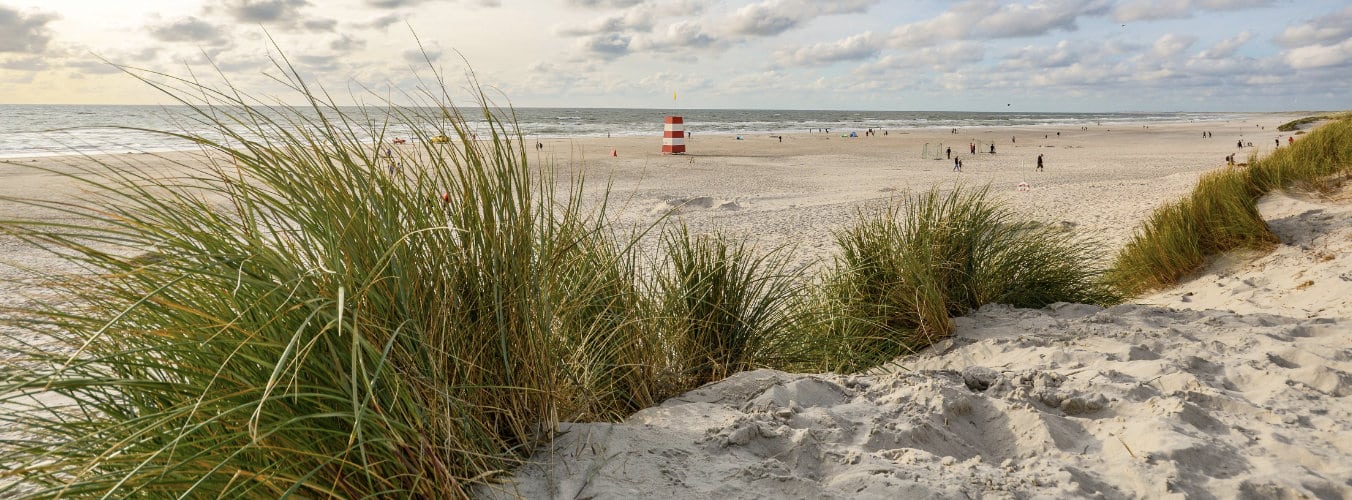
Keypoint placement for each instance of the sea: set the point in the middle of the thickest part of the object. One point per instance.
(50, 130)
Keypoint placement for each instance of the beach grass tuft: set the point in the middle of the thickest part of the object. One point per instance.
(727, 307)
(1221, 214)
(906, 270)
(290, 314)
(298, 309)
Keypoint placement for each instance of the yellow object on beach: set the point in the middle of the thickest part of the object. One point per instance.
(440, 139)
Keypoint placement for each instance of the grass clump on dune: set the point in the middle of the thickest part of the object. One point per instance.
(726, 307)
(289, 313)
(1221, 212)
(307, 322)
(905, 271)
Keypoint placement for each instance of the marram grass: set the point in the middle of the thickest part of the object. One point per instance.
(905, 271)
(1221, 212)
(290, 317)
(295, 312)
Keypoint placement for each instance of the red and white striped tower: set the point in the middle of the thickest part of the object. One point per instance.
(673, 136)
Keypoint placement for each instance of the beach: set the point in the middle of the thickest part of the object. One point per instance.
(1233, 384)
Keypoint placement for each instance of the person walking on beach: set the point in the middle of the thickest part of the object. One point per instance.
(948, 153)
(992, 148)
(957, 165)
(973, 146)
(1039, 162)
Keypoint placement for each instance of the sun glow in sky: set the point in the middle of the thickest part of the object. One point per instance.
(974, 55)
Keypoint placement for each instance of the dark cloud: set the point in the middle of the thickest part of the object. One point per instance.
(605, 3)
(347, 43)
(189, 29)
(29, 63)
(607, 46)
(383, 22)
(319, 25)
(421, 57)
(1147, 10)
(24, 33)
(393, 4)
(772, 17)
(641, 21)
(396, 4)
(264, 11)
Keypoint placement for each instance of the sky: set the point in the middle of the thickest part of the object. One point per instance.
(963, 55)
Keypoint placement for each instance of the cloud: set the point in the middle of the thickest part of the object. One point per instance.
(606, 46)
(92, 67)
(1335, 27)
(383, 22)
(1061, 55)
(319, 25)
(1170, 45)
(772, 17)
(987, 19)
(862, 46)
(633, 20)
(189, 29)
(264, 11)
(605, 3)
(681, 35)
(1149, 10)
(24, 33)
(1228, 47)
(347, 43)
(1319, 56)
(29, 63)
(395, 4)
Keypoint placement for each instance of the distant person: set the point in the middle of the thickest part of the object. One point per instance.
(1290, 139)
(973, 146)
(539, 145)
(948, 152)
(957, 165)
(1039, 162)
(1239, 144)
(992, 148)
(1012, 140)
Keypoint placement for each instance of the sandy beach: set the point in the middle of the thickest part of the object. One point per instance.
(1233, 385)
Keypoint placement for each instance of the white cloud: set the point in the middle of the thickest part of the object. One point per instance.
(1170, 45)
(676, 37)
(1327, 29)
(987, 19)
(1148, 10)
(1318, 56)
(1228, 47)
(862, 46)
(772, 17)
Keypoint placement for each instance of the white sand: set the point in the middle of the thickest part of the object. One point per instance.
(1234, 384)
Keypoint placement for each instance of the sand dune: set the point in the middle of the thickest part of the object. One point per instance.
(1233, 385)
